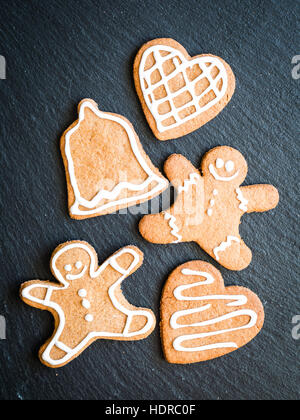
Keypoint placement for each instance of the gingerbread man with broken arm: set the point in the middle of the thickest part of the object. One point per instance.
(209, 206)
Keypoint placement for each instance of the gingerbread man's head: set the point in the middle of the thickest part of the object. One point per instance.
(72, 260)
(225, 165)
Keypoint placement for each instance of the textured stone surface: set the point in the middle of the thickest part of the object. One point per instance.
(61, 51)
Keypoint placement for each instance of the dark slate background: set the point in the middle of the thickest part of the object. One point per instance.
(61, 51)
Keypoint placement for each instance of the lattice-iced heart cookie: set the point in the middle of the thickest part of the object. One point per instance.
(202, 319)
(106, 166)
(180, 93)
(87, 303)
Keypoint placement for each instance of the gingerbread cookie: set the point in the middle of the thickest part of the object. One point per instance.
(210, 205)
(88, 304)
(202, 319)
(180, 93)
(106, 166)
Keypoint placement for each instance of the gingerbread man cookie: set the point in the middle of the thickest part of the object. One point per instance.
(180, 93)
(210, 205)
(106, 166)
(202, 319)
(88, 304)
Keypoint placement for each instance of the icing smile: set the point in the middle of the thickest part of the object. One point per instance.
(229, 166)
(76, 276)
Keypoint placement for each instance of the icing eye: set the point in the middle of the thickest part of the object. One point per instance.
(219, 163)
(68, 267)
(229, 166)
(78, 265)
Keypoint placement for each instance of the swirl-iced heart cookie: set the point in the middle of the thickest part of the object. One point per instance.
(209, 206)
(180, 93)
(106, 166)
(88, 303)
(202, 319)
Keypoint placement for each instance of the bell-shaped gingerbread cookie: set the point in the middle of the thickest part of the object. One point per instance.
(202, 319)
(209, 206)
(106, 166)
(88, 304)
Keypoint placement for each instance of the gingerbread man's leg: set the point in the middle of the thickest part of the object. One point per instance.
(229, 249)
(170, 226)
(233, 253)
(259, 198)
(38, 294)
(114, 271)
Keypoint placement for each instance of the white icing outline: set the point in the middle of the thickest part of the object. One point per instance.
(238, 300)
(224, 245)
(194, 177)
(172, 223)
(104, 194)
(242, 199)
(93, 274)
(152, 104)
(212, 170)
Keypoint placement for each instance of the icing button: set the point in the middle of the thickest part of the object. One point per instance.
(86, 304)
(89, 318)
(82, 293)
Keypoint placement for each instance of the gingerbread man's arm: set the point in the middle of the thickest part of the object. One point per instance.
(259, 198)
(179, 171)
(37, 293)
(164, 228)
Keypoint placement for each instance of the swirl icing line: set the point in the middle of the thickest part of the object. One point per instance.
(235, 300)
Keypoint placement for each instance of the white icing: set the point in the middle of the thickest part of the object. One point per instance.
(225, 245)
(176, 55)
(86, 304)
(194, 177)
(242, 199)
(229, 166)
(82, 293)
(219, 163)
(214, 173)
(173, 226)
(212, 202)
(112, 261)
(89, 318)
(78, 265)
(68, 267)
(104, 194)
(235, 300)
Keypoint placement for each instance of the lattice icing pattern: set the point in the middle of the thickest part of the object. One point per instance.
(177, 90)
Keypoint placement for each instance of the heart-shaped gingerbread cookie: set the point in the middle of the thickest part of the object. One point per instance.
(202, 319)
(180, 93)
